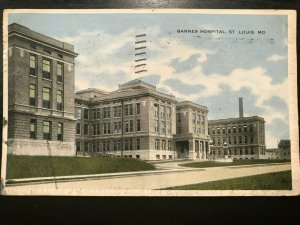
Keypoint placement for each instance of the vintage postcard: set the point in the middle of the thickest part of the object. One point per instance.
(150, 103)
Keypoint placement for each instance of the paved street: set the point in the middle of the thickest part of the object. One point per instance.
(155, 181)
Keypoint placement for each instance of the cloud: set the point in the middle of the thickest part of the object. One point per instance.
(275, 58)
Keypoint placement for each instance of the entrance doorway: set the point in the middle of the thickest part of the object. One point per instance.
(182, 148)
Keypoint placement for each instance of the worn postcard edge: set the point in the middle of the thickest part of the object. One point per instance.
(293, 110)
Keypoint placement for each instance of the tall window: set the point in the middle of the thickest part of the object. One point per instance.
(138, 144)
(78, 128)
(246, 139)
(78, 146)
(86, 114)
(138, 108)
(155, 110)
(46, 98)
(162, 111)
(168, 112)
(131, 125)
(117, 111)
(46, 69)
(128, 110)
(169, 145)
(234, 129)
(115, 145)
(116, 128)
(60, 131)
(251, 139)
(86, 146)
(59, 72)
(163, 144)
(194, 118)
(126, 144)
(106, 128)
(78, 113)
(240, 129)
(163, 127)
(47, 130)
(198, 119)
(32, 129)
(32, 65)
(240, 139)
(245, 128)
(251, 128)
(106, 112)
(86, 129)
(156, 127)
(96, 129)
(228, 130)
(32, 95)
(59, 100)
(157, 144)
(178, 117)
(96, 114)
(169, 128)
(138, 125)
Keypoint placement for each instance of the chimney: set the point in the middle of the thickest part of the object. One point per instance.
(241, 108)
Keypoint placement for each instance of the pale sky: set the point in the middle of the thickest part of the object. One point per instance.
(209, 69)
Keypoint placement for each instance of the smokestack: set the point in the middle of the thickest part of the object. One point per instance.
(241, 108)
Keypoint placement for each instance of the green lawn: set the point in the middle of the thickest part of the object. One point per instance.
(236, 162)
(45, 166)
(270, 181)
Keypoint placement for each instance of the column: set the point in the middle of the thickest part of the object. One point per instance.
(192, 154)
(205, 149)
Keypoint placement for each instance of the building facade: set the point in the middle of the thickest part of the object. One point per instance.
(191, 138)
(272, 153)
(41, 83)
(284, 149)
(134, 121)
(238, 138)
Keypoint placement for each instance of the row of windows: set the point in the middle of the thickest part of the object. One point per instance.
(106, 111)
(163, 144)
(47, 130)
(162, 111)
(233, 140)
(108, 145)
(233, 151)
(196, 118)
(162, 127)
(106, 127)
(46, 68)
(234, 129)
(46, 97)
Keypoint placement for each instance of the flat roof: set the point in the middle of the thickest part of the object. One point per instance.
(236, 119)
(17, 29)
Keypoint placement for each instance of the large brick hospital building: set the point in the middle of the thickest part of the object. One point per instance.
(136, 120)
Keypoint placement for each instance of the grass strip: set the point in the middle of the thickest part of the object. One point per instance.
(48, 166)
(270, 181)
(236, 162)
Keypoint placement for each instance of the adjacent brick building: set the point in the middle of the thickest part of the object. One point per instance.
(284, 149)
(238, 138)
(134, 121)
(41, 92)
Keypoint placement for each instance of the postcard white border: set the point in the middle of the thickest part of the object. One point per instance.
(293, 107)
